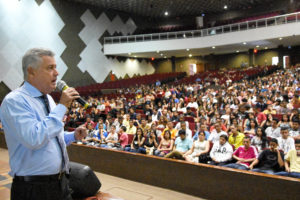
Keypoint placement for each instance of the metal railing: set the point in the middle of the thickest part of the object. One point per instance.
(241, 26)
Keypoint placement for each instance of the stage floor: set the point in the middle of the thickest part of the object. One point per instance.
(128, 190)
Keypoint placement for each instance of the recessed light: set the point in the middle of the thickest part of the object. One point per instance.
(166, 13)
(257, 46)
(225, 7)
(280, 38)
(187, 49)
(213, 47)
(244, 43)
(190, 55)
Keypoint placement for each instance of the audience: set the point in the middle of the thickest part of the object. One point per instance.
(254, 108)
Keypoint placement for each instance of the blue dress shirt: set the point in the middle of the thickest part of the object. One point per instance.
(31, 134)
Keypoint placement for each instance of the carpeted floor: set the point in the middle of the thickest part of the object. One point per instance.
(128, 190)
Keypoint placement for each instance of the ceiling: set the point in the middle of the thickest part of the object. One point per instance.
(176, 8)
(225, 49)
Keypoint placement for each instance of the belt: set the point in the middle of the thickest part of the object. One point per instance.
(53, 177)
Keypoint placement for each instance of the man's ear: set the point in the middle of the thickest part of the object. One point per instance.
(30, 71)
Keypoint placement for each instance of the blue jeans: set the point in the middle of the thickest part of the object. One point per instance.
(266, 171)
(290, 174)
(141, 150)
(236, 166)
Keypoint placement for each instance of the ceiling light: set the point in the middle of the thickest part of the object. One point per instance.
(187, 49)
(244, 43)
(165, 57)
(257, 46)
(161, 54)
(280, 38)
(213, 47)
(135, 56)
(157, 51)
(166, 13)
(266, 47)
(190, 55)
(237, 51)
(225, 7)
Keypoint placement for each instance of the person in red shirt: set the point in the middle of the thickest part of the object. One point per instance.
(244, 155)
(123, 137)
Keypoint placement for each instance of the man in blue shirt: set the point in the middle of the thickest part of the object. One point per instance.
(182, 145)
(34, 131)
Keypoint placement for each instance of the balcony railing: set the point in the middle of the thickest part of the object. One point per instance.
(241, 26)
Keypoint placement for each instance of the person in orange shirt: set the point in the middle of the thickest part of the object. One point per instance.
(172, 130)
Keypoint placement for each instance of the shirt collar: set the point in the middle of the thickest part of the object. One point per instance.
(31, 90)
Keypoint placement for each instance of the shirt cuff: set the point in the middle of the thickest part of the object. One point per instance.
(69, 137)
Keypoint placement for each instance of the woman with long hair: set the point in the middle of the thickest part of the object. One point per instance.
(165, 146)
(260, 140)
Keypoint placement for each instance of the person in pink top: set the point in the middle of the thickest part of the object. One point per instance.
(244, 155)
(123, 137)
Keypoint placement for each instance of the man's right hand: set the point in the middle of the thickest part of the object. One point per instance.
(67, 96)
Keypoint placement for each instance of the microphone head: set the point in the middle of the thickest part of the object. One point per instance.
(60, 85)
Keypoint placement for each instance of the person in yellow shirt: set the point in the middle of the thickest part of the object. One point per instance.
(172, 130)
(269, 110)
(131, 128)
(235, 138)
(292, 162)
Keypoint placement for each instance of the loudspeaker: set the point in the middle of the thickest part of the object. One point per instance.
(83, 181)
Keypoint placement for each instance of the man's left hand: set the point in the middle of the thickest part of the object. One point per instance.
(80, 133)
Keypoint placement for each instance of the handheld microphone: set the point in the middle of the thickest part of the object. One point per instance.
(61, 86)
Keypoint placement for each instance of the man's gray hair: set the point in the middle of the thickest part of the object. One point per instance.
(33, 58)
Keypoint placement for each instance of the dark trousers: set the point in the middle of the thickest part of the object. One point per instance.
(41, 190)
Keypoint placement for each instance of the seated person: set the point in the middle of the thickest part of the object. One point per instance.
(188, 131)
(295, 131)
(182, 145)
(235, 138)
(123, 137)
(260, 140)
(165, 146)
(112, 138)
(150, 143)
(292, 162)
(273, 131)
(131, 128)
(285, 142)
(172, 130)
(216, 133)
(200, 147)
(221, 152)
(137, 141)
(244, 155)
(270, 160)
(100, 134)
(202, 129)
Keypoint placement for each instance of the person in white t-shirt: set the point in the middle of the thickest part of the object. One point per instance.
(273, 131)
(285, 142)
(216, 133)
(221, 152)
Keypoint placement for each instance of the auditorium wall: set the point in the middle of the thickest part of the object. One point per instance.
(213, 62)
(74, 31)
